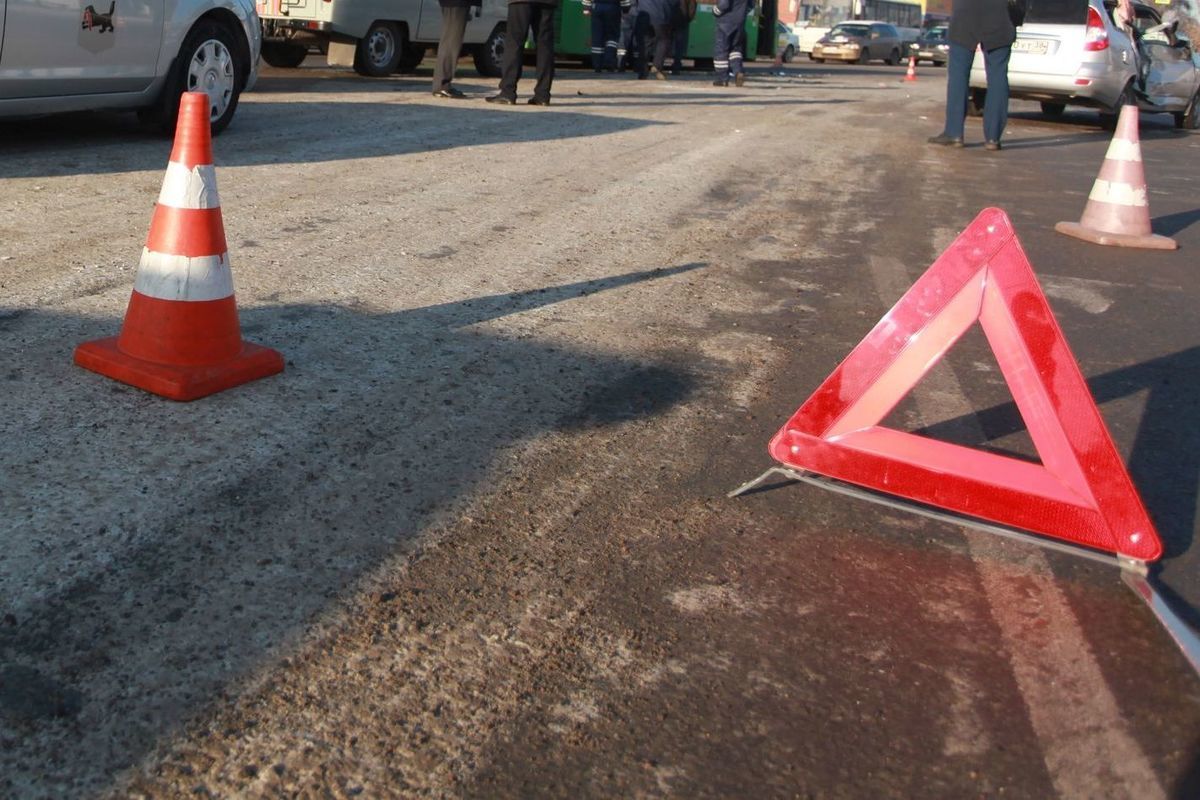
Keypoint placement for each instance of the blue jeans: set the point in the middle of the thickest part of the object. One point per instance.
(995, 107)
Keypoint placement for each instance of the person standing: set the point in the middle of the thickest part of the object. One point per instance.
(728, 44)
(985, 23)
(523, 16)
(454, 25)
(606, 31)
(661, 15)
(685, 12)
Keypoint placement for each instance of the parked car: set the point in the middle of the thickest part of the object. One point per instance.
(1071, 52)
(787, 43)
(859, 42)
(126, 54)
(373, 37)
(933, 46)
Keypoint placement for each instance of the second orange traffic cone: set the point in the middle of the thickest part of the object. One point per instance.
(1118, 209)
(911, 75)
(181, 338)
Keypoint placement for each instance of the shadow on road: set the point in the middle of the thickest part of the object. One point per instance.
(270, 132)
(155, 554)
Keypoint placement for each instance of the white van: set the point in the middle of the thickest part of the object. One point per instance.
(375, 37)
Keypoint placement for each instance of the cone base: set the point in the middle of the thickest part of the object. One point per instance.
(1151, 241)
(176, 382)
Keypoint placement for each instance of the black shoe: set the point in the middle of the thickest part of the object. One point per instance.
(740, 79)
(539, 101)
(642, 76)
(991, 144)
(943, 139)
(503, 99)
(677, 70)
(720, 82)
(451, 92)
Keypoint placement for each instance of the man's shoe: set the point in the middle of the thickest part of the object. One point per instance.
(991, 144)
(539, 101)
(740, 79)
(450, 92)
(720, 82)
(658, 73)
(503, 99)
(943, 139)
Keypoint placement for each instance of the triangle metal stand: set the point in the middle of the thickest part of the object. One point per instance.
(1135, 574)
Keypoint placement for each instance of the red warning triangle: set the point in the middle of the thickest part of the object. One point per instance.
(1080, 492)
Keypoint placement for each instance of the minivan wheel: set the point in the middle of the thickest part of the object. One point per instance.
(1053, 109)
(893, 58)
(379, 51)
(490, 55)
(284, 54)
(1108, 119)
(1186, 120)
(864, 57)
(413, 55)
(976, 102)
(206, 63)
(789, 54)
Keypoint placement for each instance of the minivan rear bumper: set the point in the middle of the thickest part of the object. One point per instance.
(1093, 85)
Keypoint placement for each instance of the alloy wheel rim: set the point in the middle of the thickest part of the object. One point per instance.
(211, 71)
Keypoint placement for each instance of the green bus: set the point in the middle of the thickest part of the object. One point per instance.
(573, 33)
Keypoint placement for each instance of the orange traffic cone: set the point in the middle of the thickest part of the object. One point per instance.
(911, 75)
(1118, 211)
(181, 337)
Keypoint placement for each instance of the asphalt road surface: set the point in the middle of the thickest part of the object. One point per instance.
(474, 541)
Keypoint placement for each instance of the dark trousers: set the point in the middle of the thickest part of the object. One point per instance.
(729, 43)
(681, 42)
(606, 35)
(664, 38)
(958, 77)
(640, 43)
(522, 17)
(454, 25)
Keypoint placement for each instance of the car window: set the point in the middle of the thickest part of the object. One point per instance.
(888, 30)
(936, 34)
(1056, 12)
(849, 30)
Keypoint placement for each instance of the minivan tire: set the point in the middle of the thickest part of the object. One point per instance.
(1186, 120)
(284, 55)
(379, 50)
(893, 58)
(489, 56)
(1108, 119)
(975, 102)
(164, 112)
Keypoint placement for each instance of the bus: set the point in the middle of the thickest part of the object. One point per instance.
(902, 15)
(573, 33)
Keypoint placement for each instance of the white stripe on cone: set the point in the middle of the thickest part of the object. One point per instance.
(1124, 150)
(172, 277)
(1118, 194)
(189, 188)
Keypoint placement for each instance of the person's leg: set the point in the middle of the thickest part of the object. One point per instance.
(663, 37)
(995, 105)
(612, 35)
(543, 35)
(721, 49)
(680, 45)
(517, 29)
(641, 44)
(454, 25)
(958, 74)
(597, 48)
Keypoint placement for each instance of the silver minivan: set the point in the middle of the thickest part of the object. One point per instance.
(76, 55)
(1071, 52)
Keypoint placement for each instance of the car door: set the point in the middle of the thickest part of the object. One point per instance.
(1171, 79)
(68, 47)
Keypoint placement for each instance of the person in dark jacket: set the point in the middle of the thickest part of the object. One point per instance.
(454, 26)
(524, 15)
(985, 23)
(660, 16)
(606, 31)
(730, 40)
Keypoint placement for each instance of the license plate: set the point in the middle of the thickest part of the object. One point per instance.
(1037, 47)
